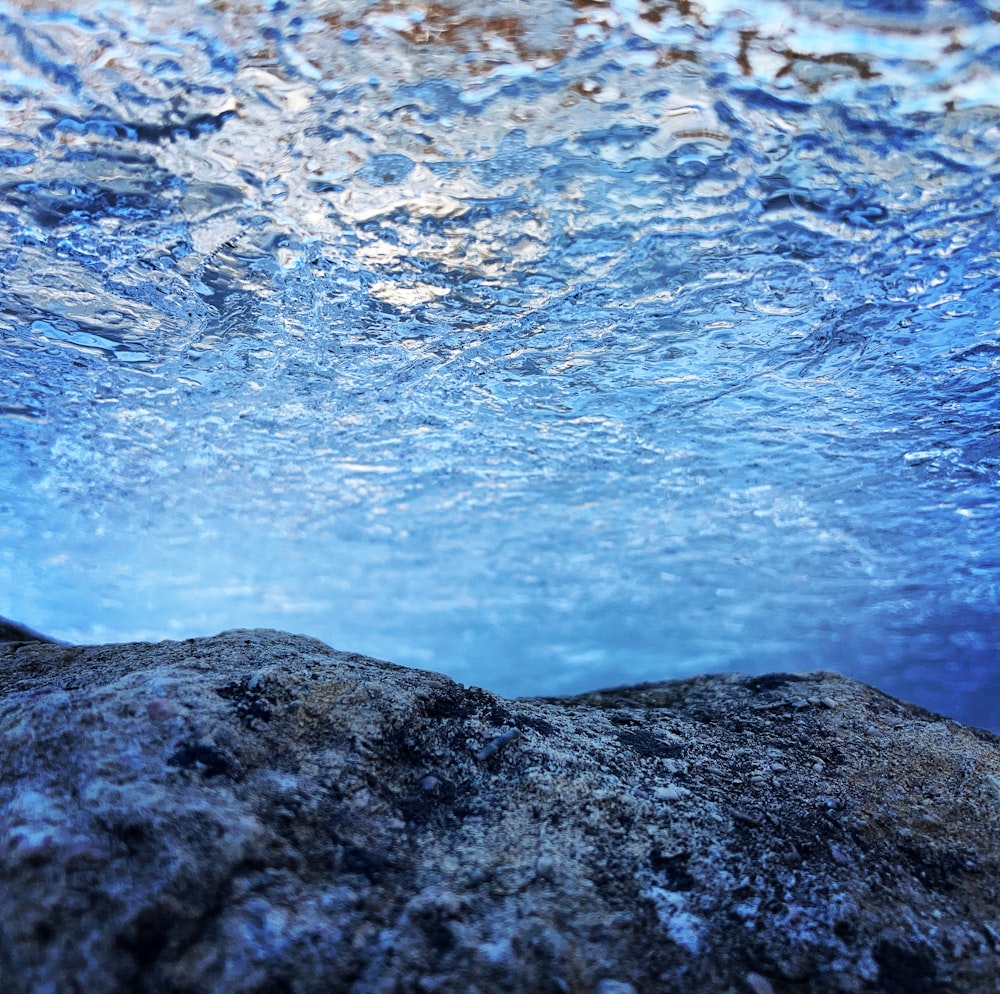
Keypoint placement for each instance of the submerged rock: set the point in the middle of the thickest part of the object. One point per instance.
(258, 812)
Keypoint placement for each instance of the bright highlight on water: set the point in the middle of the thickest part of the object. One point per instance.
(550, 346)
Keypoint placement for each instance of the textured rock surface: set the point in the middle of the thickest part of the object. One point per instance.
(258, 812)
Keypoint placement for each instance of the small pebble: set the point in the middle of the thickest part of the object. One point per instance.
(161, 710)
(545, 867)
(492, 748)
(838, 854)
(759, 984)
(615, 987)
(669, 793)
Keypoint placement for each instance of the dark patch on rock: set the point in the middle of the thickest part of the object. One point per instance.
(458, 703)
(432, 801)
(539, 725)
(771, 681)
(203, 757)
(144, 938)
(904, 969)
(373, 865)
(250, 703)
(940, 868)
(673, 868)
(647, 745)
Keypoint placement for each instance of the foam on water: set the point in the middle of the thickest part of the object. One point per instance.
(548, 346)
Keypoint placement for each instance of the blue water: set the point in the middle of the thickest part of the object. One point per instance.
(550, 346)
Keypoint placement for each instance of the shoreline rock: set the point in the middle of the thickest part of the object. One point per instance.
(257, 812)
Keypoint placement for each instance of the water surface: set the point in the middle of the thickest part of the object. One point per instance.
(547, 345)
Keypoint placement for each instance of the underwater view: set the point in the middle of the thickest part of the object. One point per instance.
(551, 346)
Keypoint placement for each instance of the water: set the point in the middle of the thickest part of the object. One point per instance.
(547, 345)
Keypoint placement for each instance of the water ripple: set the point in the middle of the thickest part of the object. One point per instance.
(548, 346)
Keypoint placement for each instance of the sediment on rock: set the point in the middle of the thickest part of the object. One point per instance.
(258, 812)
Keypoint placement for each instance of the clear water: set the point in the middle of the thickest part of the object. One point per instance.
(547, 345)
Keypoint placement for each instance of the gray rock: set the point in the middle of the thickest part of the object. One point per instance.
(256, 812)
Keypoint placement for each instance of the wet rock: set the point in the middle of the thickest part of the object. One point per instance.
(256, 812)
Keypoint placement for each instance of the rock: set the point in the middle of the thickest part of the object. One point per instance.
(256, 812)
(11, 631)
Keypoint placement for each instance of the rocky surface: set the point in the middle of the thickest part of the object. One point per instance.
(256, 812)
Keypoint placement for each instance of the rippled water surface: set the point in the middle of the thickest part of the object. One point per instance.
(549, 345)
